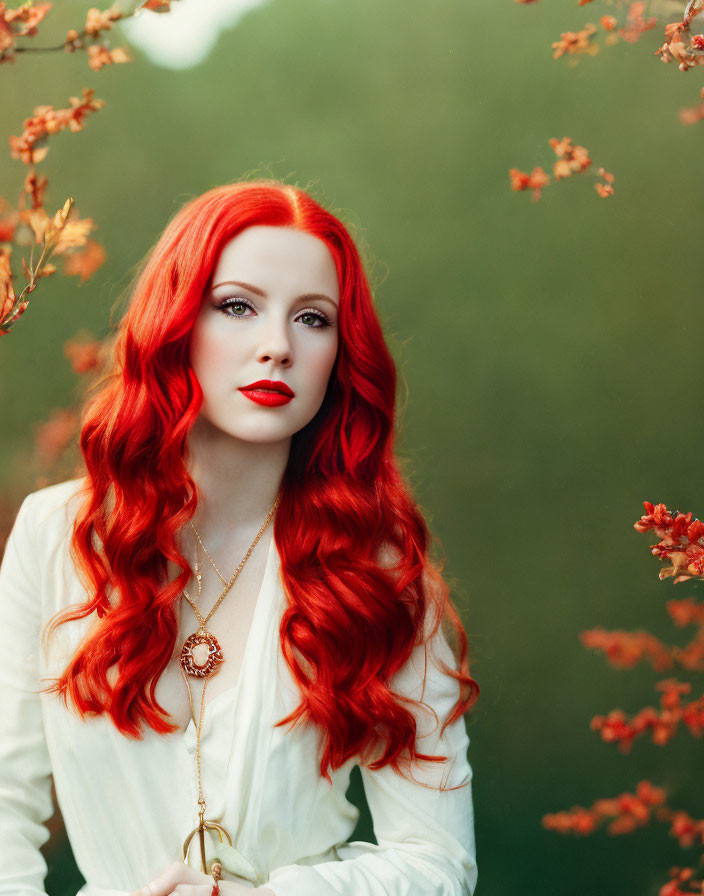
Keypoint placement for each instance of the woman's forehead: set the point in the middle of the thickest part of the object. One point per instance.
(272, 257)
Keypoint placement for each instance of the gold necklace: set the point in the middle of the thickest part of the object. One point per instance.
(201, 656)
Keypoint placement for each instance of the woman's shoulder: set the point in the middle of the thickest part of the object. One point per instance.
(54, 505)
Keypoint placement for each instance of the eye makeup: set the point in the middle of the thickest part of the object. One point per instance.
(226, 304)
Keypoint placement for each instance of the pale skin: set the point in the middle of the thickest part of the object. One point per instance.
(280, 322)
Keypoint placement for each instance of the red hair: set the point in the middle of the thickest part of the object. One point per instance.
(351, 620)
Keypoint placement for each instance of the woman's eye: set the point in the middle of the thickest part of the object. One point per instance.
(315, 319)
(239, 306)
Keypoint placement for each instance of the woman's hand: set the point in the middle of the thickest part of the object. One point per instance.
(180, 879)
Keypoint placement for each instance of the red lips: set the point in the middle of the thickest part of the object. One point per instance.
(276, 385)
(268, 392)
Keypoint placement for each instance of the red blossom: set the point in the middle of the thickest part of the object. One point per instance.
(686, 611)
(46, 121)
(53, 436)
(623, 813)
(83, 354)
(99, 55)
(534, 181)
(97, 21)
(617, 728)
(675, 47)
(681, 541)
(575, 42)
(623, 650)
(636, 24)
(571, 159)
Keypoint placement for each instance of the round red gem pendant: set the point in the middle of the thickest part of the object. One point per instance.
(201, 655)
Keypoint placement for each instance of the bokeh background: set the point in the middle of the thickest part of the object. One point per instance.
(551, 352)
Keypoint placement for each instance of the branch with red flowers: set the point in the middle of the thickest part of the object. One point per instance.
(680, 45)
(681, 542)
(29, 224)
(617, 728)
(584, 42)
(23, 21)
(628, 812)
(570, 160)
(681, 549)
(624, 650)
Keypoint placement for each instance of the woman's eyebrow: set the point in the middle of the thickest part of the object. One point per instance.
(308, 297)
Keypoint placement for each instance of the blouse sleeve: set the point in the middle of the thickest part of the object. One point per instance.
(25, 769)
(426, 844)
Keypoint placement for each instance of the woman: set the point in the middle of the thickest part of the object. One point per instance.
(236, 601)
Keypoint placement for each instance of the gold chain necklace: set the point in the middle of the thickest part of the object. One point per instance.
(201, 656)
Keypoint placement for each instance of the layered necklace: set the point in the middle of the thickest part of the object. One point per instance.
(201, 657)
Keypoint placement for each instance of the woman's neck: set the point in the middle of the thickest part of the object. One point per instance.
(237, 483)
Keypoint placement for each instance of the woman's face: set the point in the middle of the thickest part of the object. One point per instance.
(269, 313)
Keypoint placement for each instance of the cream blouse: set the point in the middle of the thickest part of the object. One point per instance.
(128, 805)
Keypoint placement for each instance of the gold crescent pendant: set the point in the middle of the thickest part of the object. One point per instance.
(200, 830)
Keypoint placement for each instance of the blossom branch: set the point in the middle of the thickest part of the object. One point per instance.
(23, 22)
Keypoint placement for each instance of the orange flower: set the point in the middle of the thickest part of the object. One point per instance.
(674, 47)
(46, 121)
(608, 23)
(24, 18)
(84, 355)
(572, 158)
(97, 21)
(519, 179)
(623, 650)
(7, 292)
(561, 147)
(576, 821)
(85, 262)
(64, 231)
(52, 437)
(692, 114)
(535, 181)
(35, 187)
(19, 22)
(99, 55)
(9, 219)
(636, 24)
(604, 190)
(73, 234)
(561, 169)
(575, 42)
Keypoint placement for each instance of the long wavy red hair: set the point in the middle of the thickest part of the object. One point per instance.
(352, 618)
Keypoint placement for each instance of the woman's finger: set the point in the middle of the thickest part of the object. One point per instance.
(175, 875)
(193, 889)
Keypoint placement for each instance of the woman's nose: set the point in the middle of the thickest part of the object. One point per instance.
(275, 343)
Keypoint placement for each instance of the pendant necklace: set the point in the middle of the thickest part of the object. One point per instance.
(201, 657)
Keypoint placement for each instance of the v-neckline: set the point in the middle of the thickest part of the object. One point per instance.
(265, 590)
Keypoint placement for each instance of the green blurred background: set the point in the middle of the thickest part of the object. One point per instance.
(551, 351)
